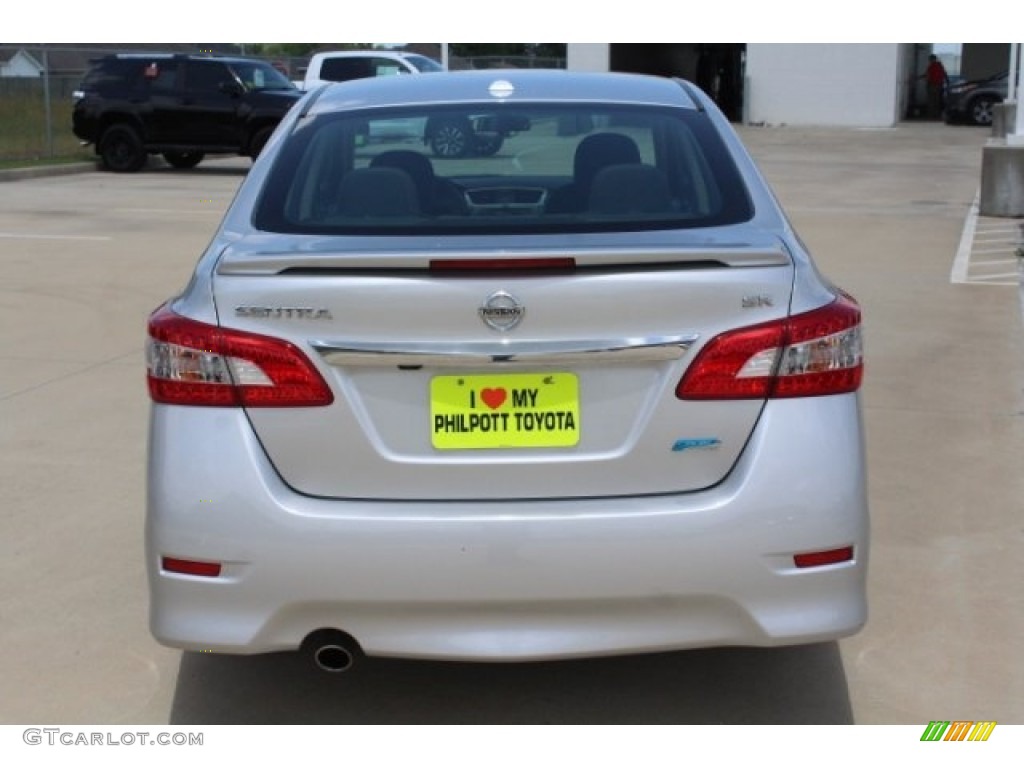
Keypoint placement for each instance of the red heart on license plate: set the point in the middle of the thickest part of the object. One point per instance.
(493, 398)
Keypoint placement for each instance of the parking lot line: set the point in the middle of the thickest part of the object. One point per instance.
(32, 236)
(984, 237)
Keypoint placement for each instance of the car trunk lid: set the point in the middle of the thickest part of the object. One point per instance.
(575, 398)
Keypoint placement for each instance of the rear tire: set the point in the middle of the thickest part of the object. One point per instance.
(121, 149)
(184, 159)
(259, 140)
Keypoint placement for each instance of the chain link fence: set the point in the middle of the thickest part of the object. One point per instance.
(37, 83)
(35, 107)
(507, 62)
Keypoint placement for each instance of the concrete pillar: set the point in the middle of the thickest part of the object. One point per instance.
(1015, 125)
(1002, 159)
(1002, 179)
(1004, 118)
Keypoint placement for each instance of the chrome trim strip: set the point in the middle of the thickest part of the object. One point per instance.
(455, 355)
(271, 261)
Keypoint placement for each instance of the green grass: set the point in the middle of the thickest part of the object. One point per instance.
(23, 131)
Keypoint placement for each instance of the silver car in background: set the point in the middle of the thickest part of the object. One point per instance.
(586, 395)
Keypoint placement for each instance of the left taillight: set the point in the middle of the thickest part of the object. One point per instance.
(193, 363)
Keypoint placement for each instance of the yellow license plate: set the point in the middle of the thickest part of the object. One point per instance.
(510, 410)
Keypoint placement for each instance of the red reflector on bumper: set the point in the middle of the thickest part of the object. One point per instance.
(190, 567)
(828, 557)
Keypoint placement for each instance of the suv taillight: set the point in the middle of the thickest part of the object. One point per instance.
(808, 355)
(192, 363)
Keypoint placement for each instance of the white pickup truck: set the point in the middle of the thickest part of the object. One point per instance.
(454, 136)
(339, 66)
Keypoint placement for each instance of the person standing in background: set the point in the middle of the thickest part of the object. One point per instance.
(935, 79)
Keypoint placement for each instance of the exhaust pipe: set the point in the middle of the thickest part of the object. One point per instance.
(333, 658)
(332, 650)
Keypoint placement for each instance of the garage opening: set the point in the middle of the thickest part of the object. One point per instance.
(717, 68)
(977, 80)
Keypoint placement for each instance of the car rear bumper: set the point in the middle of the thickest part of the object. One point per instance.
(521, 580)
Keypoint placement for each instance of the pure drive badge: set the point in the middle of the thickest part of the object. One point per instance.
(502, 311)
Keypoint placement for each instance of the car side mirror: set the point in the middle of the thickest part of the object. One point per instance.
(231, 88)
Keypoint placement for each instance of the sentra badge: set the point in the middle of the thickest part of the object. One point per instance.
(287, 313)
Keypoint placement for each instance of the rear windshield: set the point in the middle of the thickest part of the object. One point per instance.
(502, 169)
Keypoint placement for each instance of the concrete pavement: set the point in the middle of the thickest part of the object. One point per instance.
(84, 258)
(883, 212)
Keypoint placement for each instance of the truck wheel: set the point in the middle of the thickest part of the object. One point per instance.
(452, 138)
(121, 149)
(184, 159)
(259, 140)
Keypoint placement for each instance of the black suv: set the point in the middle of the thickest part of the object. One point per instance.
(179, 105)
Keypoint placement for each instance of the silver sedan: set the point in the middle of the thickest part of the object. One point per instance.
(579, 392)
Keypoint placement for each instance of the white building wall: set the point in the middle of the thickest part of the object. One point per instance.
(819, 84)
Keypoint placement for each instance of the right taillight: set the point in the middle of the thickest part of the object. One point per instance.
(193, 363)
(808, 355)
